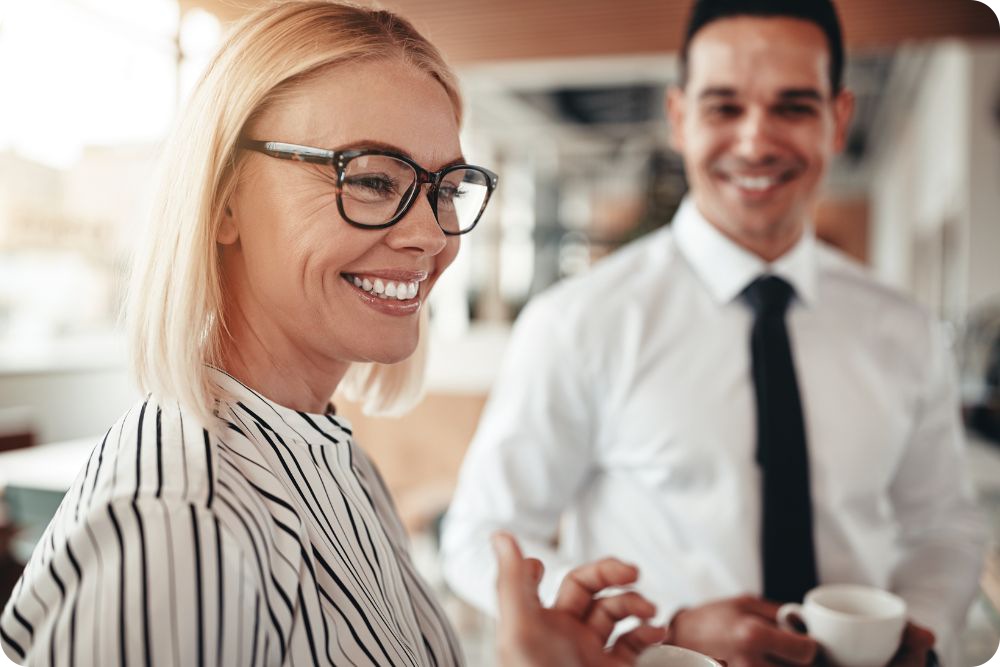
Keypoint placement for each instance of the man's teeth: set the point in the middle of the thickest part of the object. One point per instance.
(755, 182)
(401, 291)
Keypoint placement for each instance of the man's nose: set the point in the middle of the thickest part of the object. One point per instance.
(753, 135)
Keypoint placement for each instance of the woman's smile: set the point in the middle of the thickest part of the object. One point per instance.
(391, 292)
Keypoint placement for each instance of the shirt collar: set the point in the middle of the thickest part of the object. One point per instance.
(726, 268)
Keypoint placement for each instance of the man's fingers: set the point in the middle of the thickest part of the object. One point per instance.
(759, 607)
(579, 587)
(516, 579)
(794, 648)
(918, 638)
(913, 648)
(764, 638)
(605, 612)
(632, 643)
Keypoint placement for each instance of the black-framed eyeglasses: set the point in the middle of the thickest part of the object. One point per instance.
(376, 188)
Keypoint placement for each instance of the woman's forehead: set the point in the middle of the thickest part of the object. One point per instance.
(388, 102)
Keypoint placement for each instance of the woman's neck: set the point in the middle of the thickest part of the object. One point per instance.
(269, 363)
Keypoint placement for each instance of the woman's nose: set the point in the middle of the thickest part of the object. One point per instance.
(419, 229)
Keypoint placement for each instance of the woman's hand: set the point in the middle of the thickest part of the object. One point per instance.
(575, 630)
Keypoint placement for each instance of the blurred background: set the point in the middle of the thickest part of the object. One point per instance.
(565, 100)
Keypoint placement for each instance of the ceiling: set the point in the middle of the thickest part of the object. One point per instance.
(476, 31)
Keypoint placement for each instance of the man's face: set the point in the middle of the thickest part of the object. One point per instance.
(757, 124)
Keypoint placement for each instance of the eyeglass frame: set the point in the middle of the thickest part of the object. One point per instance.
(339, 159)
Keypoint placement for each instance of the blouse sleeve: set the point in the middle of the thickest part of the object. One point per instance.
(137, 582)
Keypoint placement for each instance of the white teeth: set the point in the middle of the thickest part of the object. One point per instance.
(754, 182)
(388, 289)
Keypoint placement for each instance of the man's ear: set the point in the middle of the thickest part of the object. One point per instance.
(843, 109)
(228, 232)
(676, 109)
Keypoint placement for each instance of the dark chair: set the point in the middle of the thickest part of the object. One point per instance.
(10, 567)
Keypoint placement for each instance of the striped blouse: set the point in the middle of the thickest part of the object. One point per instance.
(275, 544)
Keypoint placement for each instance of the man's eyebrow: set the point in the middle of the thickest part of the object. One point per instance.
(392, 148)
(800, 94)
(717, 91)
(784, 95)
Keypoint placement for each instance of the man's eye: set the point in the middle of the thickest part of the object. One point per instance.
(724, 110)
(795, 110)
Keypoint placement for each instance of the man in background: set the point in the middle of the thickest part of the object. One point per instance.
(729, 403)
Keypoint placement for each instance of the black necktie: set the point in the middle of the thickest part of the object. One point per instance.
(789, 559)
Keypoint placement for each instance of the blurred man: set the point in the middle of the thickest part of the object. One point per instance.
(729, 403)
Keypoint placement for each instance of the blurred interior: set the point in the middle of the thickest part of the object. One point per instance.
(564, 99)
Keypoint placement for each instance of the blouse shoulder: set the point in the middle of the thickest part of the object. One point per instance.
(156, 450)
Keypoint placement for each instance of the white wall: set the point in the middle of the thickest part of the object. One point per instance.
(67, 389)
(68, 404)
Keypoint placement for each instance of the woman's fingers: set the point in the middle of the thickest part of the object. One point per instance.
(536, 570)
(578, 589)
(517, 579)
(605, 612)
(632, 643)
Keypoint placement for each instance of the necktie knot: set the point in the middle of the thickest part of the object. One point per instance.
(769, 295)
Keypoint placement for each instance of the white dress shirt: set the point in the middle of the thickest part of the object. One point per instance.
(623, 423)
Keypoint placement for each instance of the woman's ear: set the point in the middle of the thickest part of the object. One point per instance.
(228, 233)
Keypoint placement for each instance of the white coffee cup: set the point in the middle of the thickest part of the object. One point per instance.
(674, 656)
(857, 626)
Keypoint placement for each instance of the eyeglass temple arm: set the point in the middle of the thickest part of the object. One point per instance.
(285, 151)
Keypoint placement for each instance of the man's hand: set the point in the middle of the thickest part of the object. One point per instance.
(916, 644)
(575, 630)
(742, 632)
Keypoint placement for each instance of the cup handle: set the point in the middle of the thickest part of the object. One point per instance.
(787, 612)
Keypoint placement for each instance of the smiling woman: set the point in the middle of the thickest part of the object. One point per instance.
(229, 518)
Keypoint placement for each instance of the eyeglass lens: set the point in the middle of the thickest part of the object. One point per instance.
(376, 187)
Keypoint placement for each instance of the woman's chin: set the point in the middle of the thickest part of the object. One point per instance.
(391, 354)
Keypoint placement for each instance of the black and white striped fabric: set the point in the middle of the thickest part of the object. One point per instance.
(276, 544)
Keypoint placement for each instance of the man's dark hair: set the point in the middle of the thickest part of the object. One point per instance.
(819, 12)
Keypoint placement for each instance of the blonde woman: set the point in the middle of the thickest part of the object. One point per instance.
(313, 193)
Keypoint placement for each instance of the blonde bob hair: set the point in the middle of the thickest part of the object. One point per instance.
(174, 315)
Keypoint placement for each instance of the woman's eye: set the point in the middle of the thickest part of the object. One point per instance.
(450, 192)
(375, 183)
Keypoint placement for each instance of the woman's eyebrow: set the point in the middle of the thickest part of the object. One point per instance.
(392, 148)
